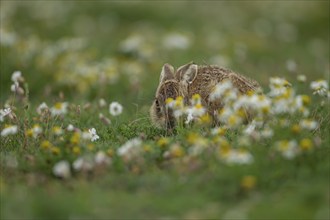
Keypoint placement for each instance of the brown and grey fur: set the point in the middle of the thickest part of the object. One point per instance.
(192, 79)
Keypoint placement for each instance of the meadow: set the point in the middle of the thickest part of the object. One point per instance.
(78, 79)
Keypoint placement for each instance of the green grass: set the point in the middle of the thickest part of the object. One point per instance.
(254, 38)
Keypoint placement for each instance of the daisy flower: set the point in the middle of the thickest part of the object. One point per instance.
(9, 130)
(115, 109)
(60, 108)
(42, 107)
(319, 87)
(62, 169)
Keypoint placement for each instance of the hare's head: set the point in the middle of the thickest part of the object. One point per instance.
(171, 85)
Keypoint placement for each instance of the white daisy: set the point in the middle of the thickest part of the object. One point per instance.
(93, 134)
(12, 129)
(62, 169)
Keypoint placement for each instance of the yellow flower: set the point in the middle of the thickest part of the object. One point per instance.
(176, 150)
(76, 150)
(75, 138)
(55, 150)
(90, 147)
(57, 130)
(192, 138)
(205, 119)
(248, 182)
(306, 144)
(110, 152)
(147, 148)
(169, 100)
(306, 99)
(162, 142)
(295, 129)
(46, 144)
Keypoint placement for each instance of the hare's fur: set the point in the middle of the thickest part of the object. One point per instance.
(191, 79)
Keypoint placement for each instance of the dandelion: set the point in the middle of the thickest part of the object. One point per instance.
(60, 108)
(163, 141)
(62, 169)
(306, 144)
(45, 145)
(3, 113)
(41, 108)
(319, 87)
(93, 134)
(115, 109)
(9, 130)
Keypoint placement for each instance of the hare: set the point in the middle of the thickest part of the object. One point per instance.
(192, 79)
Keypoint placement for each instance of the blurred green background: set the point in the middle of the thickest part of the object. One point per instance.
(114, 50)
(106, 49)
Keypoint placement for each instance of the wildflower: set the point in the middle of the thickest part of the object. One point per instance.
(221, 89)
(101, 158)
(115, 109)
(196, 100)
(296, 128)
(291, 65)
(176, 150)
(55, 150)
(240, 156)
(130, 149)
(45, 144)
(163, 141)
(60, 108)
(289, 149)
(308, 124)
(70, 127)
(34, 131)
(301, 78)
(319, 87)
(4, 113)
(176, 41)
(93, 134)
(9, 130)
(16, 76)
(102, 103)
(219, 131)
(76, 150)
(41, 108)
(57, 130)
(75, 138)
(82, 164)
(306, 144)
(267, 132)
(62, 169)
(278, 86)
(248, 182)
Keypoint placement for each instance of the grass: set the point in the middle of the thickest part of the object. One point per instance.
(81, 53)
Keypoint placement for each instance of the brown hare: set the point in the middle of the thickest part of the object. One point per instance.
(193, 79)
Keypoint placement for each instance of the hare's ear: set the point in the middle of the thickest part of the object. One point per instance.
(167, 73)
(187, 73)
